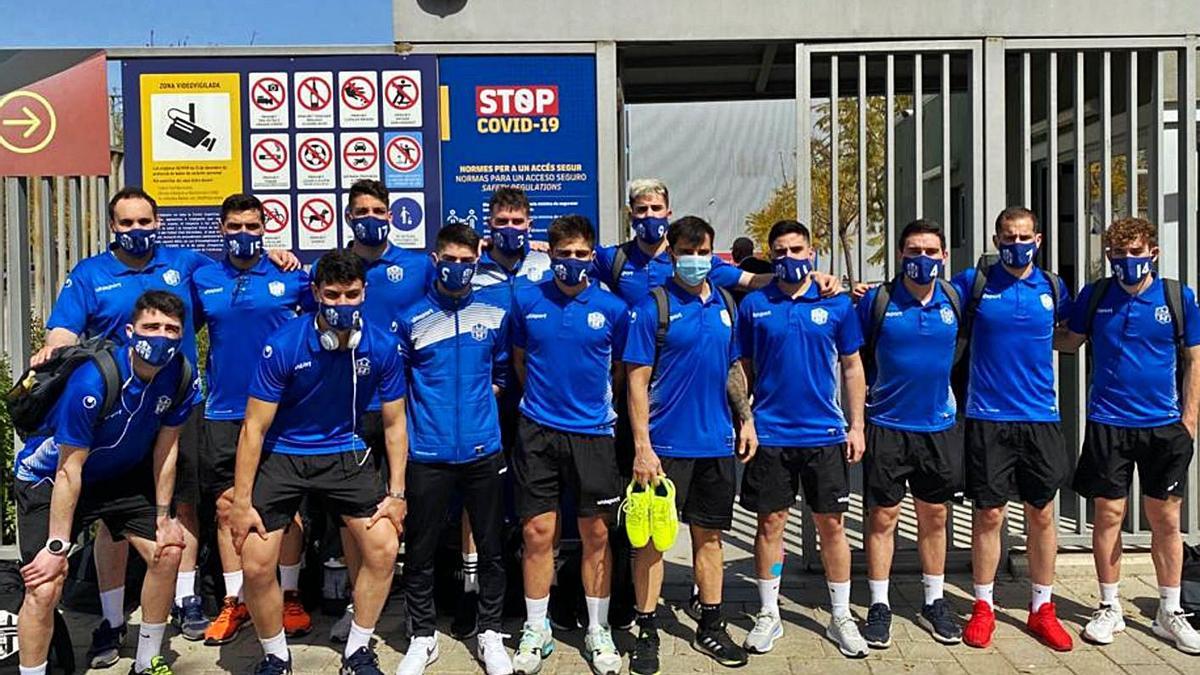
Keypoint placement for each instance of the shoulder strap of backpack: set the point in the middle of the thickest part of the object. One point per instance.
(184, 390)
(1098, 292)
(883, 295)
(618, 264)
(730, 303)
(1173, 292)
(662, 307)
(1055, 289)
(960, 342)
(106, 362)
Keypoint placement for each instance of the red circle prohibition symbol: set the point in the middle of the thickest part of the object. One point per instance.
(358, 93)
(315, 94)
(403, 153)
(315, 154)
(397, 97)
(269, 155)
(275, 216)
(275, 99)
(309, 213)
(363, 150)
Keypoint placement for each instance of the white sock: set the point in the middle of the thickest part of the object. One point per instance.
(839, 598)
(984, 592)
(768, 595)
(1040, 596)
(358, 638)
(112, 605)
(470, 566)
(535, 610)
(34, 670)
(1168, 598)
(276, 646)
(695, 591)
(150, 637)
(597, 609)
(935, 585)
(289, 577)
(879, 591)
(185, 585)
(1110, 595)
(233, 585)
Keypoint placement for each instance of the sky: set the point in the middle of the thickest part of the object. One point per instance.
(126, 23)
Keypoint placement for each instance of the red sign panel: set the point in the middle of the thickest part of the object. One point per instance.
(529, 100)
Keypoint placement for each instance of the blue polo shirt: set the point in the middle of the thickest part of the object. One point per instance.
(570, 345)
(533, 268)
(1133, 354)
(1012, 346)
(689, 409)
(321, 393)
(117, 443)
(914, 353)
(242, 308)
(795, 344)
(99, 294)
(641, 273)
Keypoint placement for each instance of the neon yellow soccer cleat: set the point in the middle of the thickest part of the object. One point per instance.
(664, 518)
(636, 508)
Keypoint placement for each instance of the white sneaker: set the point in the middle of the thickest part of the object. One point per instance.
(537, 643)
(492, 654)
(422, 652)
(844, 633)
(767, 629)
(1175, 628)
(1106, 621)
(601, 653)
(340, 631)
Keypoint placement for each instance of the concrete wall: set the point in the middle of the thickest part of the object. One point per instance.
(637, 20)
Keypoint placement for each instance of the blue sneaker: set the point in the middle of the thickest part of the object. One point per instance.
(273, 665)
(941, 624)
(189, 618)
(106, 645)
(361, 662)
(878, 629)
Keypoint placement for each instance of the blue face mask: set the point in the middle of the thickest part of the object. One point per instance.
(137, 242)
(650, 229)
(342, 317)
(1131, 270)
(922, 269)
(792, 270)
(1017, 254)
(692, 269)
(370, 230)
(155, 350)
(511, 240)
(571, 271)
(243, 245)
(455, 276)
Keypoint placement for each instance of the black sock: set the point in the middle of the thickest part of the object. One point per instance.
(647, 621)
(710, 615)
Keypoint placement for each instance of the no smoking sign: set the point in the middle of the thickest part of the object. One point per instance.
(269, 162)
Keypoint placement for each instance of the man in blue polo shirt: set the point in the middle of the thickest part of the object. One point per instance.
(911, 432)
(243, 300)
(1014, 446)
(300, 438)
(567, 334)
(1137, 415)
(679, 409)
(456, 348)
(118, 469)
(791, 339)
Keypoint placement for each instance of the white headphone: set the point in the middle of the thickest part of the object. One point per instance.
(330, 341)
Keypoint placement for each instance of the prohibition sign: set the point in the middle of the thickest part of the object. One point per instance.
(315, 94)
(358, 93)
(316, 215)
(274, 216)
(403, 153)
(264, 98)
(402, 92)
(269, 155)
(315, 154)
(360, 154)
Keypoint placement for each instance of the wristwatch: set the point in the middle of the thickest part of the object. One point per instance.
(398, 494)
(58, 547)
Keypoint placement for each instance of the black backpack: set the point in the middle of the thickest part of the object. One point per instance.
(879, 306)
(662, 308)
(35, 393)
(619, 259)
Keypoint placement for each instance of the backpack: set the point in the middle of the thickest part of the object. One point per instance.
(662, 307)
(879, 306)
(35, 393)
(619, 259)
(1173, 293)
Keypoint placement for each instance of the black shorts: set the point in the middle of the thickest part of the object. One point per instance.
(187, 462)
(930, 462)
(125, 504)
(775, 475)
(1162, 455)
(1015, 460)
(704, 489)
(547, 459)
(335, 481)
(219, 458)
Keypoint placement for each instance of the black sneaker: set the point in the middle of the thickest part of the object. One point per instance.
(716, 643)
(692, 608)
(465, 624)
(562, 610)
(940, 622)
(362, 662)
(643, 660)
(273, 665)
(106, 645)
(878, 629)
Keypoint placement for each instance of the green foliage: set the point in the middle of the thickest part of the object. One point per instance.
(8, 437)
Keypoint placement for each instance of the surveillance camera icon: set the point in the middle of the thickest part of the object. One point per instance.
(185, 130)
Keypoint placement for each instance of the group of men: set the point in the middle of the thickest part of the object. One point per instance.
(592, 382)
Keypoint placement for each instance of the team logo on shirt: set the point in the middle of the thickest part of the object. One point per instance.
(68, 283)
(1162, 314)
(536, 275)
(171, 277)
(362, 367)
(395, 274)
(1047, 302)
(89, 402)
(479, 332)
(162, 405)
(725, 319)
(595, 320)
(267, 351)
(819, 316)
(947, 315)
(276, 288)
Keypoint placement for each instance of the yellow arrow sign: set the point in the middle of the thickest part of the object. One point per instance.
(29, 119)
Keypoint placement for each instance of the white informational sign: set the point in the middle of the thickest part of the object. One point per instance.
(401, 98)
(268, 97)
(270, 165)
(358, 99)
(314, 100)
(359, 156)
(277, 221)
(315, 156)
(316, 214)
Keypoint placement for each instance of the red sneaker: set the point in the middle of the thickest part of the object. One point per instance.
(296, 621)
(1045, 626)
(978, 631)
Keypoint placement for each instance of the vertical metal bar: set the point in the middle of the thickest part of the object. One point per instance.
(1131, 163)
(1106, 130)
(102, 193)
(835, 195)
(4, 267)
(1154, 186)
(17, 265)
(994, 133)
(87, 205)
(1026, 135)
(1189, 187)
(1051, 217)
(946, 214)
(60, 231)
(1082, 260)
(862, 168)
(75, 195)
(45, 276)
(890, 159)
(609, 229)
(803, 137)
(918, 136)
(978, 175)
